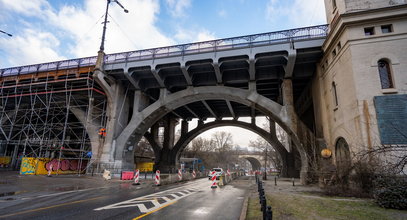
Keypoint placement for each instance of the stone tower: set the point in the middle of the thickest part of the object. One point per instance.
(360, 89)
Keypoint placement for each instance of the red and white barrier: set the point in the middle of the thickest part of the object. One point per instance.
(213, 180)
(137, 177)
(179, 174)
(228, 172)
(157, 178)
(50, 170)
(193, 174)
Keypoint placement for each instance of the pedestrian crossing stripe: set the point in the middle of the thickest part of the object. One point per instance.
(151, 202)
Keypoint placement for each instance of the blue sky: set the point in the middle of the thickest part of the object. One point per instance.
(45, 31)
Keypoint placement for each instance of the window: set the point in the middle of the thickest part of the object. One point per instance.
(334, 53)
(339, 46)
(387, 28)
(369, 31)
(385, 74)
(334, 95)
(334, 4)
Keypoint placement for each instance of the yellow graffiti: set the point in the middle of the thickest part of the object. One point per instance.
(5, 160)
(38, 166)
(28, 165)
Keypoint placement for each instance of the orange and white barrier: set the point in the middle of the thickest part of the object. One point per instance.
(137, 177)
(193, 174)
(157, 178)
(179, 174)
(213, 180)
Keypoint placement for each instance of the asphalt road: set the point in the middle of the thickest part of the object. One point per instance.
(191, 200)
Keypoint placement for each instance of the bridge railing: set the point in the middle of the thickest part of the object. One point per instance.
(291, 35)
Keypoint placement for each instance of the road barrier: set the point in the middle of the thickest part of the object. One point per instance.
(179, 174)
(157, 178)
(193, 174)
(136, 177)
(267, 212)
(213, 180)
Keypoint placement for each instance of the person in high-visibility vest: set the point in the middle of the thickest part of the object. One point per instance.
(102, 132)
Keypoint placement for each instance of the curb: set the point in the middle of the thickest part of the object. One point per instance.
(244, 208)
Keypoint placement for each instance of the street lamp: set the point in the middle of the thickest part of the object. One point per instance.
(10, 35)
(101, 54)
(102, 44)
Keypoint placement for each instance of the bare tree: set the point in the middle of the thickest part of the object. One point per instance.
(261, 144)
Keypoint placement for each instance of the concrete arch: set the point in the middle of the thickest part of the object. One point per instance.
(188, 137)
(256, 165)
(143, 120)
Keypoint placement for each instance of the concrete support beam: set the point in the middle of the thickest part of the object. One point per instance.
(218, 73)
(186, 74)
(157, 77)
(252, 68)
(289, 68)
(131, 80)
(192, 112)
(210, 109)
(184, 127)
(232, 112)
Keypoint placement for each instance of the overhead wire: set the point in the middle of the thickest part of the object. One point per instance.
(124, 33)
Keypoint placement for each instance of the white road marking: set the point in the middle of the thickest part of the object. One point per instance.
(153, 198)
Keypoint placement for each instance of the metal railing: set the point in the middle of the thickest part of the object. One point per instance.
(254, 40)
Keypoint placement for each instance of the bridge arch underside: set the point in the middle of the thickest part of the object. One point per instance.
(282, 153)
(145, 119)
(256, 165)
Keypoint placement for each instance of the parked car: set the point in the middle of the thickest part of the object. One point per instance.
(218, 172)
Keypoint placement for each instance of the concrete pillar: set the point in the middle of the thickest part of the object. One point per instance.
(169, 132)
(184, 127)
(288, 103)
(165, 159)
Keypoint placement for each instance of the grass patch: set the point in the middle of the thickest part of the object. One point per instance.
(253, 209)
(296, 206)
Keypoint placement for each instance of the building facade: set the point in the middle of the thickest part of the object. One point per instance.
(360, 87)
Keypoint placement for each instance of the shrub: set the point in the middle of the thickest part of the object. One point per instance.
(391, 192)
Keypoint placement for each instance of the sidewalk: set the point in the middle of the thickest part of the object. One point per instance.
(13, 185)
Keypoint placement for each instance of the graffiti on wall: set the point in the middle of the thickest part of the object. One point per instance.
(5, 161)
(28, 165)
(65, 165)
(41, 166)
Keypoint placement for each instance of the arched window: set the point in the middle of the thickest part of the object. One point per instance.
(385, 74)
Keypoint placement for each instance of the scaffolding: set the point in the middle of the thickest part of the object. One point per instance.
(36, 118)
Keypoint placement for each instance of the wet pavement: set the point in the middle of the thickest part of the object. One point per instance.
(87, 197)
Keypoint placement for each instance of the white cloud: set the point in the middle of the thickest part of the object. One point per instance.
(125, 31)
(31, 47)
(189, 35)
(177, 7)
(299, 13)
(80, 28)
(28, 8)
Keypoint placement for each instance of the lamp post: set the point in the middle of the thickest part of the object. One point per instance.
(99, 61)
(10, 35)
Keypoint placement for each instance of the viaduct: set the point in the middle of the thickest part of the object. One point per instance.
(249, 76)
